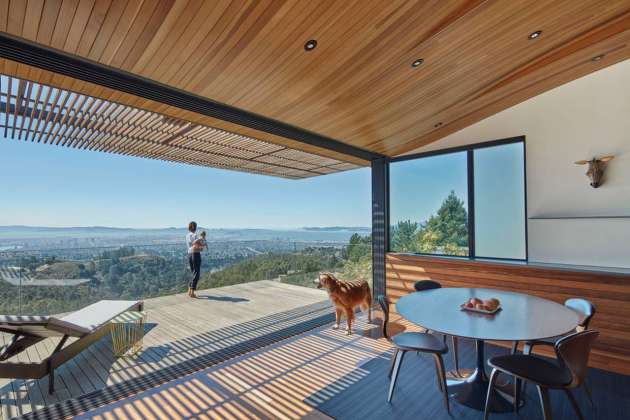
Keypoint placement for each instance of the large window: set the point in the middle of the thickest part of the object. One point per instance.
(499, 177)
(428, 205)
(463, 202)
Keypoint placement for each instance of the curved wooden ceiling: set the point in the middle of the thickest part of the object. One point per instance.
(358, 85)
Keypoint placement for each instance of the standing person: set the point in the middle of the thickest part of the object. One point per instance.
(194, 257)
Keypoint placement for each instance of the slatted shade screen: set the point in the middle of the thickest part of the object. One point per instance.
(39, 113)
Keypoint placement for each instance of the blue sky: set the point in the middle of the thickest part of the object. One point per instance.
(418, 187)
(45, 185)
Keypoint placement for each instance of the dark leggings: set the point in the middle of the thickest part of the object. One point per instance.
(194, 260)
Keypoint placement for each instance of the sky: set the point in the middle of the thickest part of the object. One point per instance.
(43, 185)
(418, 187)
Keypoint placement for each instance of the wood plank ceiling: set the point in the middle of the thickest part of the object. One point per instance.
(358, 85)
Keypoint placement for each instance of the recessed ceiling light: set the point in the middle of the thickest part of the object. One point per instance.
(535, 35)
(597, 57)
(438, 125)
(417, 63)
(310, 45)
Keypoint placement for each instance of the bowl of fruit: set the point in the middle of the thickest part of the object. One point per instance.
(489, 306)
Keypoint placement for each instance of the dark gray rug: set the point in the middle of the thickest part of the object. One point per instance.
(417, 395)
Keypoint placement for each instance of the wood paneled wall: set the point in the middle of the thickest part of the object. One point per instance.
(608, 291)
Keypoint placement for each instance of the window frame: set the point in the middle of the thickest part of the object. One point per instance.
(469, 149)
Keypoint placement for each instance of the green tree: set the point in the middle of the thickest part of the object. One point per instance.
(358, 263)
(446, 231)
(404, 236)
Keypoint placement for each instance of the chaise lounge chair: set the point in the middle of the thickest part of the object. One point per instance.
(88, 325)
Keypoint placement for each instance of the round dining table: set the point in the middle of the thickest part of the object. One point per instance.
(521, 318)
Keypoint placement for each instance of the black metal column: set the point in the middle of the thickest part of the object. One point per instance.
(380, 223)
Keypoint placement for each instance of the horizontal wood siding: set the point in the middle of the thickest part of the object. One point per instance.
(609, 292)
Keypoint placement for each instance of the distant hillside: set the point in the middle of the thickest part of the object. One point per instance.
(336, 233)
(339, 228)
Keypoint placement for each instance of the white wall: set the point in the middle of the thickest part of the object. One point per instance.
(585, 118)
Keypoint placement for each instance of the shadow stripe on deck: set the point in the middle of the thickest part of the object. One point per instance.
(257, 333)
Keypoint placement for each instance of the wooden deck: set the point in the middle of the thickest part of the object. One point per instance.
(287, 380)
(318, 374)
(178, 330)
(324, 374)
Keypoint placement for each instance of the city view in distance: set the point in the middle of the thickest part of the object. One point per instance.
(45, 270)
(130, 217)
(42, 238)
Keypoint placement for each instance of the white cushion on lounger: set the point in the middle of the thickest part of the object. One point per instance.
(66, 328)
(94, 316)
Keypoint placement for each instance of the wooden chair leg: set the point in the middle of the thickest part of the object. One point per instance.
(517, 394)
(392, 383)
(574, 404)
(438, 377)
(391, 368)
(51, 381)
(455, 345)
(545, 402)
(527, 350)
(588, 393)
(442, 378)
(493, 380)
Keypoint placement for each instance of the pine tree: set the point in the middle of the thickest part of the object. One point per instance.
(446, 231)
(404, 236)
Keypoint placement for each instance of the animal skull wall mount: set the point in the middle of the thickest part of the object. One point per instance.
(595, 169)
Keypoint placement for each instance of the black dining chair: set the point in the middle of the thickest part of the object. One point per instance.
(424, 285)
(585, 310)
(384, 303)
(424, 343)
(421, 342)
(566, 373)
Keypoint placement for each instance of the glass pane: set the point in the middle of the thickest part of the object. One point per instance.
(500, 201)
(428, 205)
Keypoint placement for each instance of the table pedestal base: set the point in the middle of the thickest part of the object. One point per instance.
(472, 388)
(459, 375)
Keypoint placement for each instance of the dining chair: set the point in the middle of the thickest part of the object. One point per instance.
(424, 343)
(421, 342)
(566, 373)
(585, 310)
(384, 302)
(424, 285)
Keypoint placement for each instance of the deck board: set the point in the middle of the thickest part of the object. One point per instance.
(324, 374)
(282, 381)
(178, 329)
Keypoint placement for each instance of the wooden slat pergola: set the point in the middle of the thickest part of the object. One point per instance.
(40, 113)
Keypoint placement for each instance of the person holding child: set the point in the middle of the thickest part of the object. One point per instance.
(195, 243)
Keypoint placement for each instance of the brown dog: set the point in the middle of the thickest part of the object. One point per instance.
(346, 295)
